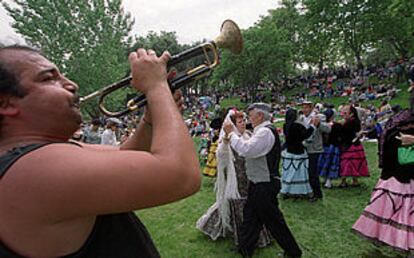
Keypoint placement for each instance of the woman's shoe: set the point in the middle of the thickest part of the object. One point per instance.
(343, 185)
(314, 199)
(284, 196)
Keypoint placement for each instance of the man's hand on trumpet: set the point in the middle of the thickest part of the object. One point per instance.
(148, 70)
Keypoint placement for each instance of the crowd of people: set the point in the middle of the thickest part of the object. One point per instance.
(316, 145)
(320, 142)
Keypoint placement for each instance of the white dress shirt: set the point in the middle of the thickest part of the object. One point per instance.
(108, 137)
(259, 144)
(306, 120)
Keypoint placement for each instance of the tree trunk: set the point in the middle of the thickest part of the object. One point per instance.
(359, 61)
(400, 49)
(320, 65)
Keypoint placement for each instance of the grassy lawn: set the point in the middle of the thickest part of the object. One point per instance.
(322, 229)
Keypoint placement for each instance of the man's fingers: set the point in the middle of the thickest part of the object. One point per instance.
(141, 52)
(132, 56)
(165, 56)
(151, 52)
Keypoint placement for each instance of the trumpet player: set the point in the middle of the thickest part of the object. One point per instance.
(62, 198)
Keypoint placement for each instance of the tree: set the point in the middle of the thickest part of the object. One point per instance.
(318, 40)
(268, 54)
(356, 23)
(159, 42)
(87, 39)
(397, 26)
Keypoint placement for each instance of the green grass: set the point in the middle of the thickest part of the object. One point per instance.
(233, 102)
(322, 229)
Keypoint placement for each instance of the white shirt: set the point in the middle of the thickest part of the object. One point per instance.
(306, 120)
(108, 137)
(259, 144)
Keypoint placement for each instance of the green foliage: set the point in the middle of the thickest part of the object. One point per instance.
(318, 39)
(349, 24)
(89, 40)
(268, 54)
(159, 42)
(398, 28)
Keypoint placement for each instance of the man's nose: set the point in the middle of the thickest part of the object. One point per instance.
(71, 86)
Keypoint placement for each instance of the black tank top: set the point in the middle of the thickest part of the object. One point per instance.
(113, 236)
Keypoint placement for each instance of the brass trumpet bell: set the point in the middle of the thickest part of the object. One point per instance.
(230, 38)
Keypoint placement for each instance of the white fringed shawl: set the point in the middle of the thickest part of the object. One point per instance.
(226, 184)
(225, 188)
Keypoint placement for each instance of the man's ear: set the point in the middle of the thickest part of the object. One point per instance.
(7, 106)
(261, 115)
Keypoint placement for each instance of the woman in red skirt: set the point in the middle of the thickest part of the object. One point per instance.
(353, 161)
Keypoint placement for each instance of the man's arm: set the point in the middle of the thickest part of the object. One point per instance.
(142, 138)
(258, 145)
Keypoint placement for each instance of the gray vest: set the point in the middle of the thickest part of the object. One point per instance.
(257, 170)
(261, 169)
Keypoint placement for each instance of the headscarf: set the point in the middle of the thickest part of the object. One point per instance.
(226, 184)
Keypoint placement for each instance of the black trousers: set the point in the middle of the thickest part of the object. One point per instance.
(262, 209)
(314, 175)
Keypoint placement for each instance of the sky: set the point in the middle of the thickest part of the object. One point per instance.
(192, 20)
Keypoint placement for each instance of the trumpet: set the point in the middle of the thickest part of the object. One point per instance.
(230, 38)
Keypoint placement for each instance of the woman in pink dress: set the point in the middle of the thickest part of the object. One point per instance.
(389, 216)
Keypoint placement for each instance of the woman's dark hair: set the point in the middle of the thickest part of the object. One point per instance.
(329, 114)
(355, 117)
(353, 111)
(9, 83)
(96, 121)
(290, 118)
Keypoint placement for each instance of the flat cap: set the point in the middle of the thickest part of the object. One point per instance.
(260, 106)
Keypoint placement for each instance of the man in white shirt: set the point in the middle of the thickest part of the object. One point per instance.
(108, 136)
(262, 153)
(314, 146)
